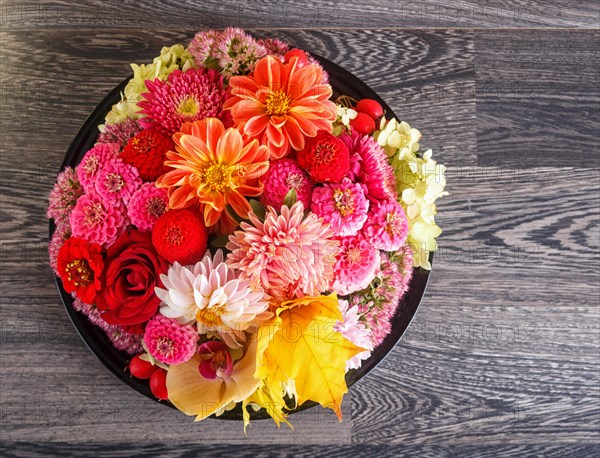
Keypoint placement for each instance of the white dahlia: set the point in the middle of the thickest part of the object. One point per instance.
(211, 294)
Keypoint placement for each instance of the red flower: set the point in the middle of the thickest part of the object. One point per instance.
(133, 269)
(80, 265)
(147, 151)
(180, 236)
(326, 158)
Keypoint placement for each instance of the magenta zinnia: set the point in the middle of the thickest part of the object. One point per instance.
(170, 342)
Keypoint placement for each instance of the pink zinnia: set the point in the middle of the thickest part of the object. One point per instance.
(64, 195)
(121, 339)
(117, 181)
(282, 176)
(119, 133)
(387, 226)
(356, 265)
(184, 97)
(170, 342)
(369, 165)
(342, 205)
(92, 162)
(355, 331)
(147, 204)
(96, 220)
(61, 234)
(288, 255)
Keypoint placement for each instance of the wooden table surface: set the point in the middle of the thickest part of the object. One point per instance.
(503, 356)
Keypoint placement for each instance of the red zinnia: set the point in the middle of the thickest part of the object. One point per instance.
(79, 266)
(147, 151)
(180, 235)
(326, 158)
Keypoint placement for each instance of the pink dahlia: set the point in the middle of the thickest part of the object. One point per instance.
(356, 265)
(342, 205)
(387, 226)
(282, 176)
(64, 195)
(355, 331)
(119, 133)
(121, 339)
(93, 161)
(146, 205)
(184, 97)
(369, 165)
(288, 255)
(170, 342)
(96, 220)
(116, 181)
(61, 234)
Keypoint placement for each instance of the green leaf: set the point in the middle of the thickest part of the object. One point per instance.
(290, 198)
(234, 216)
(259, 209)
(220, 241)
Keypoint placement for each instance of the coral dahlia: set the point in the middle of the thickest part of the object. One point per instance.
(212, 294)
(184, 97)
(283, 176)
(281, 104)
(170, 342)
(213, 167)
(288, 255)
(356, 265)
(342, 205)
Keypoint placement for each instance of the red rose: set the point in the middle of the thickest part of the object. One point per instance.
(79, 266)
(133, 269)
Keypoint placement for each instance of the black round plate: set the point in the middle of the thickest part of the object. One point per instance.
(343, 83)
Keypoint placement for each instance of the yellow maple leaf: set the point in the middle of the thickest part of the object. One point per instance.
(302, 345)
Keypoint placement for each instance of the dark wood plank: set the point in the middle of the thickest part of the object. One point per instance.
(538, 98)
(19, 14)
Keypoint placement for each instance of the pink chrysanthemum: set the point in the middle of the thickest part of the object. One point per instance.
(274, 46)
(355, 331)
(117, 181)
(93, 161)
(356, 265)
(185, 97)
(282, 176)
(61, 234)
(369, 165)
(387, 226)
(119, 133)
(342, 205)
(287, 255)
(64, 195)
(96, 220)
(147, 204)
(121, 339)
(170, 342)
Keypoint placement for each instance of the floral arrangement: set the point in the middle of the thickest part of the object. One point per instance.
(244, 237)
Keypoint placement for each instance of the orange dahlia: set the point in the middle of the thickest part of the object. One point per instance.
(281, 104)
(213, 167)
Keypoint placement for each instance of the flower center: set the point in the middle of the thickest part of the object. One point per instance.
(217, 177)
(79, 272)
(114, 182)
(209, 316)
(295, 181)
(353, 255)
(278, 103)
(392, 224)
(155, 207)
(143, 144)
(323, 153)
(91, 165)
(343, 202)
(187, 107)
(219, 360)
(173, 236)
(93, 213)
(164, 346)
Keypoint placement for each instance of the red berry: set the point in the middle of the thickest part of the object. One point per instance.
(363, 124)
(301, 55)
(141, 369)
(370, 107)
(158, 384)
(180, 235)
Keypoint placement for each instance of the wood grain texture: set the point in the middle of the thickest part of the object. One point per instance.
(502, 358)
(144, 14)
